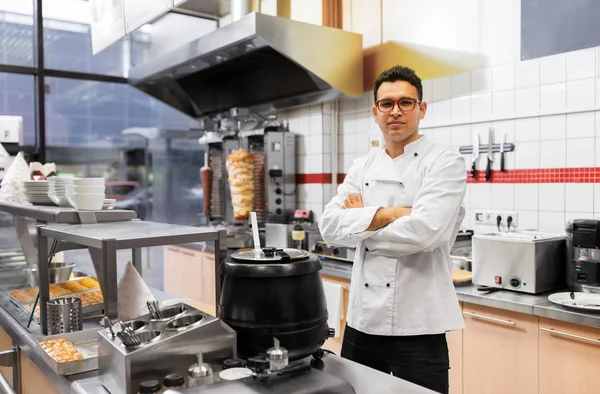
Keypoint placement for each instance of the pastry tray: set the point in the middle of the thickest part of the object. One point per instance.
(86, 310)
(86, 342)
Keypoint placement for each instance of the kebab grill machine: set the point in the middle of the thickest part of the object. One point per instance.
(268, 150)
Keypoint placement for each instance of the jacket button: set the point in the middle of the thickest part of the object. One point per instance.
(367, 184)
(387, 284)
(366, 285)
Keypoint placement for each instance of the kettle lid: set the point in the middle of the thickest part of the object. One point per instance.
(270, 263)
(270, 255)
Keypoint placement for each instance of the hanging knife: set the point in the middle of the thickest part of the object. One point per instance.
(502, 167)
(490, 159)
(475, 155)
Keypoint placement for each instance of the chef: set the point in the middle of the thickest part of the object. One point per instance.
(401, 208)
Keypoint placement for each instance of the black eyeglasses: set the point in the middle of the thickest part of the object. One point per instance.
(405, 104)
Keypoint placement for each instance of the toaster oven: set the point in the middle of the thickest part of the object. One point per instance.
(528, 262)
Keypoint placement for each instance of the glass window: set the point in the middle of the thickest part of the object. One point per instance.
(16, 32)
(94, 114)
(68, 43)
(17, 99)
(85, 124)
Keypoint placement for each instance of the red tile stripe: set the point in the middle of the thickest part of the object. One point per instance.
(313, 178)
(545, 175)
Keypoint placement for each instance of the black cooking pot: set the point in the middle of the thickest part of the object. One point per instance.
(274, 293)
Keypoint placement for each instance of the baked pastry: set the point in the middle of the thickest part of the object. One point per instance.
(74, 287)
(90, 283)
(240, 172)
(61, 350)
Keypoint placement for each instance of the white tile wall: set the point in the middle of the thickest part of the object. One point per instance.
(550, 109)
(581, 125)
(552, 197)
(579, 197)
(581, 64)
(553, 127)
(553, 97)
(581, 152)
(503, 77)
(553, 154)
(553, 69)
(527, 101)
(527, 73)
(581, 94)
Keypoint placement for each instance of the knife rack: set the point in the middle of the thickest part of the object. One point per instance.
(467, 149)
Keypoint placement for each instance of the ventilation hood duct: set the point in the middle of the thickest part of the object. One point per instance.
(260, 62)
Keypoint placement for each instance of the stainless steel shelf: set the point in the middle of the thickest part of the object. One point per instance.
(63, 215)
(103, 240)
(126, 235)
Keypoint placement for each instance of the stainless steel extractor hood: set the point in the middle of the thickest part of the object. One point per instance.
(260, 62)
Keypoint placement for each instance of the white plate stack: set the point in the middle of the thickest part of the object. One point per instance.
(37, 192)
(57, 190)
(109, 203)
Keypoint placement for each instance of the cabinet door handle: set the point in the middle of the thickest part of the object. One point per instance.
(574, 336)
(488, 318)
(173, 250)
(188, 253)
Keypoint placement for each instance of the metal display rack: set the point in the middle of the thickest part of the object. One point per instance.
(43, 214)
(103, 240)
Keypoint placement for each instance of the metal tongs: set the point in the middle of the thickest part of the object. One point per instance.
(154, 310)
(127, 336)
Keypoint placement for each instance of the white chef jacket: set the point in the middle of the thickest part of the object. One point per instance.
(402, 274)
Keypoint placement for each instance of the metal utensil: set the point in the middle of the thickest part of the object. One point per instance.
(154, 309)
(475, 155)
(490, 159)
(502, 165)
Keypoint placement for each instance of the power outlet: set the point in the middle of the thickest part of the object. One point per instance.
(490, 218)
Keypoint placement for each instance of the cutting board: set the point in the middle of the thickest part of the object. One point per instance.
(461, 276)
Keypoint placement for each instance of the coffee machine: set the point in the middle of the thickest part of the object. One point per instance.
(583, 237)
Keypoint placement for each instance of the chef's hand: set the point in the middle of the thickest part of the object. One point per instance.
(385, 216)
(353, 200)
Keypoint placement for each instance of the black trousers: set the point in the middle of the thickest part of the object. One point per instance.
(421, 359)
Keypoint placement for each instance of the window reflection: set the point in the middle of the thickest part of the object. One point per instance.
(17, 99)
(117, 132)
(16, 32)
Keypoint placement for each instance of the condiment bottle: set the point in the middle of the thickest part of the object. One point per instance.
(173, 381)
(200, 374)
(149, 387)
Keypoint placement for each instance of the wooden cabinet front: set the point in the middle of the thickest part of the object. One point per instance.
(569, 358)
(335, 344)
(190, 273)
(500, 351)
(6, 344)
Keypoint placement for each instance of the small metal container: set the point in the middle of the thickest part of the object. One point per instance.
(65, 315)
(58, 272)
(200, 374)
(169, 313)
(277, 356)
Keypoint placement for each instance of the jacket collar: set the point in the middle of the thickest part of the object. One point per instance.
(415, 148)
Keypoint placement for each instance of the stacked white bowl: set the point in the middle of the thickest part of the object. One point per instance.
(37, 192)
(57, 190)
(86, 194)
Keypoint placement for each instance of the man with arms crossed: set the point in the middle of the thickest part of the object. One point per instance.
(401, 208)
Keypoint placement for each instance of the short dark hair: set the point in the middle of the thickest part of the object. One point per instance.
(399, 73)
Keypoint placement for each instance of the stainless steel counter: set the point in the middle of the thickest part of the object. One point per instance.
(537, 305)
(364, 380)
